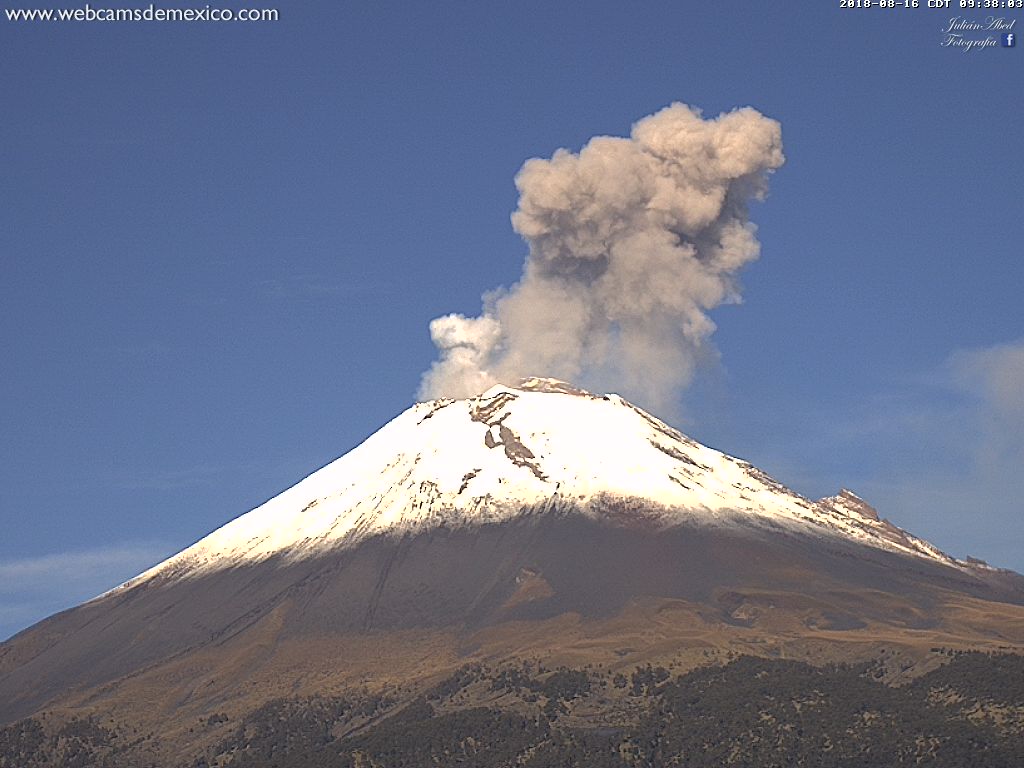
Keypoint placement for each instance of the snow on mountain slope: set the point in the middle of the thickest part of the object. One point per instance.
(486, 459)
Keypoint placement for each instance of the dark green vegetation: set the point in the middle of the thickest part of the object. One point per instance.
(77, 743)
(751, 712)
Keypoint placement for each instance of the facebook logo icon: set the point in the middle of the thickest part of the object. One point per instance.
(1009, 39)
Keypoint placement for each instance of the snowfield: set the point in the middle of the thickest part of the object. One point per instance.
(486, 459)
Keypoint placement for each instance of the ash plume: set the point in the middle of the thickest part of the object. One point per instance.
(631, 242)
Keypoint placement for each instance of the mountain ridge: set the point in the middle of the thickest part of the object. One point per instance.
(466, 462)
(538, 523)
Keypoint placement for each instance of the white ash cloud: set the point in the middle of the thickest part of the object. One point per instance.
(996, 374)
(631, 242)
(994, 378)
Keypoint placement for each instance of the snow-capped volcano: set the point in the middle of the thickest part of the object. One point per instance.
(531, 520)
(508, 452)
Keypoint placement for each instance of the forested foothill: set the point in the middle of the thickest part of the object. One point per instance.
(968, 712)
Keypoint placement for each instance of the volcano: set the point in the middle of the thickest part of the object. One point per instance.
(536, 521)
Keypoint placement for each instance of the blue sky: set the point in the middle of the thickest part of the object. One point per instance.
(221, 245)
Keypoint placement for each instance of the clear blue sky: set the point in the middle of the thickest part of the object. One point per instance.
(221, 245)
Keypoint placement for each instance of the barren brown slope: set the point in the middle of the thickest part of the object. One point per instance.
(555, 586)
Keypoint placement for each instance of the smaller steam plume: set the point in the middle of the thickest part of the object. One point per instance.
(631, 243)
